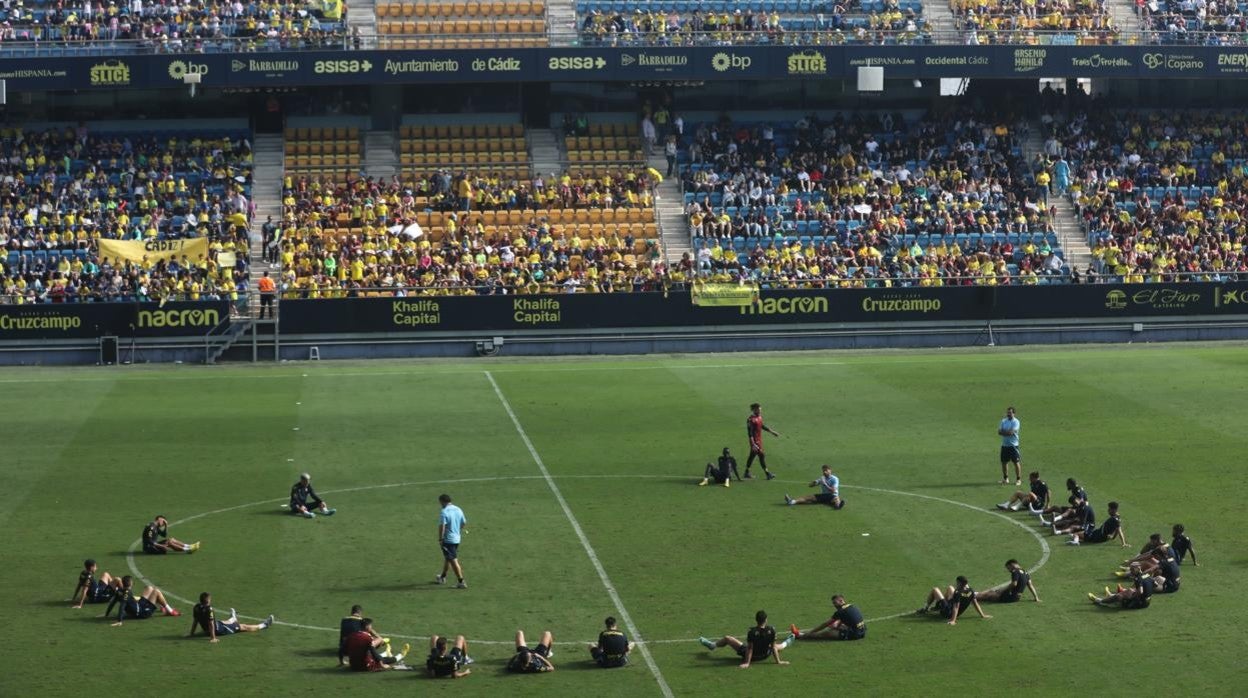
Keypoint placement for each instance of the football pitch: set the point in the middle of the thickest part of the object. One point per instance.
(578, 478)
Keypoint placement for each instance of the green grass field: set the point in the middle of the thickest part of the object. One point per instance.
(93, 454)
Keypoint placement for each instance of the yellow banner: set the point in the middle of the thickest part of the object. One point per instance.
(721, 295)
(154, 250)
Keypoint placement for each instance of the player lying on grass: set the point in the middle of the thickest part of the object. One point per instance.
(532, 660)
(1109, 530)
(760, 643)
(140, 606)
(1160, 562)
(204, 616)
(722, 472)
(846, 623)
(1137, 597)
(303, 499)
(351, 624)
(1020, 582)
(363, 653)
(1036, 500)
(93, 590)
(829, 491)
(953, 601)
(444, 664)
(156, 540)
(612, 648)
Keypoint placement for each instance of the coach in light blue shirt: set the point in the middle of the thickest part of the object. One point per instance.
(1008, 430)
(451, 524)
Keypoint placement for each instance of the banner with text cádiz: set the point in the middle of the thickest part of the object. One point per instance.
(97, 70)
(771, 307)
(153, 250)
(88, 320)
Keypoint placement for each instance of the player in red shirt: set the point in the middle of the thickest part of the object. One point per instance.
(362, 653)
(754, 428)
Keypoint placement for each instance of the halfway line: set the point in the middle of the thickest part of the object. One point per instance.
(580, 534)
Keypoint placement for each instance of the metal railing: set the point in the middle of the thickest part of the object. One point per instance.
(571, 37)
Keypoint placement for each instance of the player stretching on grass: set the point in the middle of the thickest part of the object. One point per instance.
(451, 523)
(829, 491)
(954, 601)
(156, 540)
(1036, 501)
(362, 654)
(612, 648)
(1008, 431)
(760, 642)
(203, 616)
(444, 664)
(92, 590)
(140, 606)
(1137, 597)
(303, 499)
(1109, 530)
(722, 471)
(1182, 545)
(1020, 581)
(754, 429)
(846, 624)
(532, 660)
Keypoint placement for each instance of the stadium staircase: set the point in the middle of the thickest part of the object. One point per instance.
(561, 22)
(939, 17)
(1070, 234)
(216, 344)
(669, 207)
(544, 151)
(362, 15)
(269, 169)
(381, 156)
(1125, 18)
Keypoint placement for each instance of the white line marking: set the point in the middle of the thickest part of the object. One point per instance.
(134, 569)
(580, 534)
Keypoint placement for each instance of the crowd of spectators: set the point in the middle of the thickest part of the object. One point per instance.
(62, 190)
(1035, 21)
(442, 235)
(867, 199)
(1207, 22)
(888, 22)
(211, 25)
(1163, 195)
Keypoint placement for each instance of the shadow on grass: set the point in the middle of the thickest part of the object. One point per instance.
(49, 603)
(399, 586)
(275, 512)
(322, 652)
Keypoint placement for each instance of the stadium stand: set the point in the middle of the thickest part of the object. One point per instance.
(604, 143)
(690, 22)
(1033, 22)
(66, 188)
(498, 148)
(470, 24)
(870, 200)
(452, 224)
(137, 27)
(1162, 195)
(323, 151)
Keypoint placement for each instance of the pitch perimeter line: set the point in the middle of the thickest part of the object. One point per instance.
(580, 534)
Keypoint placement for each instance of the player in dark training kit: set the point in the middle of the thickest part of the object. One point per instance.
(1111, 529)
(156, 540)
(612, 648)
(1139, 596)
(203, 616)
(846, 623)
(350, 625)
(760, 643)
(1182, 545)
(1036, 500)
(953, 601)
(92, 590)
(137, 606)
(754, 429)
(303, 499)
(721, 473)
(532, 660)
(444, 664)
(1020, 582)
